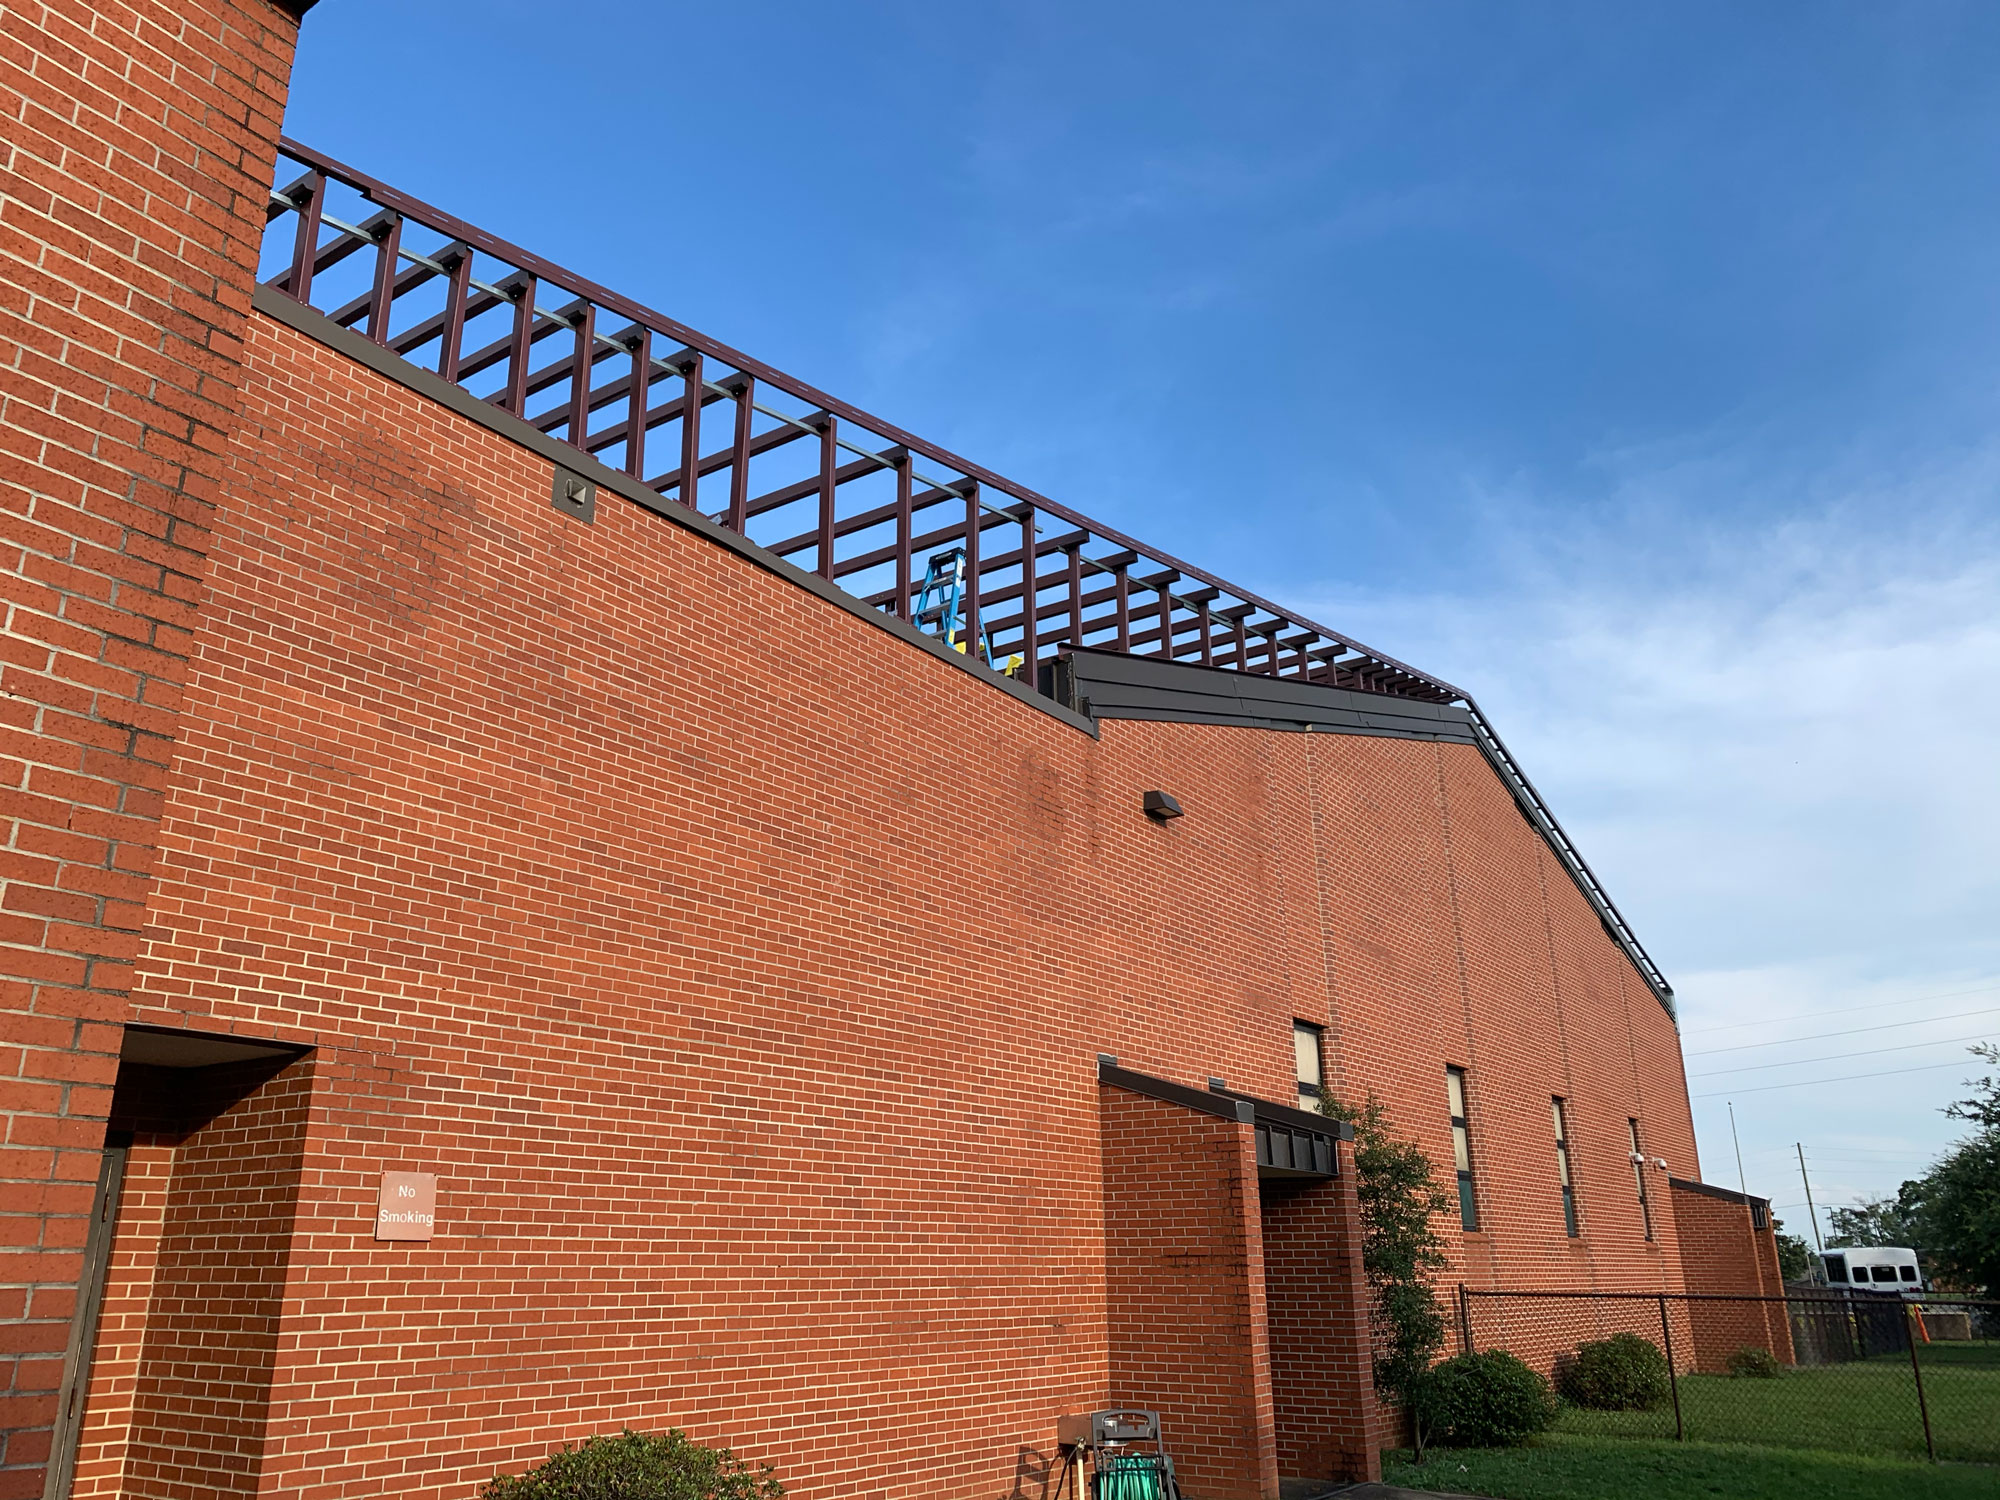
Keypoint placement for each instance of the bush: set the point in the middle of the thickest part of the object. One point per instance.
(1754, 1363)
(638, 1466)
(1621, 1373)
(1488, 1400)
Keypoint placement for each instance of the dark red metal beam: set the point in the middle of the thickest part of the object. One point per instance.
(741, 450)
(722, 458)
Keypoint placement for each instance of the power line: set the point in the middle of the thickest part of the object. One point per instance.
(1847, 1151)
(1800, 1062)
(1764, 1088)
(1845, 1010)
(1821, 1036)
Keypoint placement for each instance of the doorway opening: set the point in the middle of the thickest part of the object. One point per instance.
(184, 1266)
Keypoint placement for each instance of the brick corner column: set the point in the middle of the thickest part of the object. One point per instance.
(1184, 1286)
(137, 144)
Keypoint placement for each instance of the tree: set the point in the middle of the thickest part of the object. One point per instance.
(1796, 1261)
(1984, 1108)
(1881, 1221)
(1952, 1212)
(1959, 1198)
(1400, 1250)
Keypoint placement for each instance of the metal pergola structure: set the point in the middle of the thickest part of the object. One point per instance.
(830, 488)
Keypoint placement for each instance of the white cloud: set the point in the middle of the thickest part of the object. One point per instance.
(1777, 746)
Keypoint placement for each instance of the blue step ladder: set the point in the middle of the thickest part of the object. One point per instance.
(941, 603)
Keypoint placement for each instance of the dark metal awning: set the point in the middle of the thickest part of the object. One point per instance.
(1291, 1142)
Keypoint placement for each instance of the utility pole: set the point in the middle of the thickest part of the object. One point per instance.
(1811, 1212)
(1741, 1185)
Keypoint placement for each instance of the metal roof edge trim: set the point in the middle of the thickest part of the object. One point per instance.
(1201, 1101)
(1710, 1190)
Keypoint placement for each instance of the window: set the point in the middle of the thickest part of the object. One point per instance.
(1306, 1052)
(1836, 1267)
(1908, 1273)
(1562, 1166)
(1639, 1178)
(1461, 1147)
(1760, 1218)
(1885, 1273)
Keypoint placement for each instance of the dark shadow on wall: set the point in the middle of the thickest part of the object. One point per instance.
(1034, 1474)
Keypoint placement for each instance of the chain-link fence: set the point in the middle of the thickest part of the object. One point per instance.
(1825, 1368)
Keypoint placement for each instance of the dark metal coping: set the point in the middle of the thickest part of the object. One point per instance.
(1200, 1100)
(1710, 1190)
(1290, 1118)
(321, 329)
(1107, 685)
(1284, 1136)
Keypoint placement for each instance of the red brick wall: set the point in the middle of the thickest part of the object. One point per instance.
(1721, 1252)
(1184, 1291)
(741, 972)
(1455, 938)
(136, 142)
(1316, 1310)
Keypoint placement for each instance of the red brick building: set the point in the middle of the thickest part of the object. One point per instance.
(1729, 1247)
(755, 924)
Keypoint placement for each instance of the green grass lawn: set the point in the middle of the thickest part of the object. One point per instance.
(1568, 1466)
(1866, 1407)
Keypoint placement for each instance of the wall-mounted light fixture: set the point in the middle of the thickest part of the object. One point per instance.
(1161, 806)
(574, 495)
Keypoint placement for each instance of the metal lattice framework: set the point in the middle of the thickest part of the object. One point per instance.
(824, 485)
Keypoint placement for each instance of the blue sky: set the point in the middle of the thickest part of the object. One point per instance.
(1636, 367)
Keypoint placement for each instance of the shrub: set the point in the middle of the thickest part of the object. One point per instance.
(1488, 1400)
(638, 1466)
(1621, 1373)
(1754, 1363)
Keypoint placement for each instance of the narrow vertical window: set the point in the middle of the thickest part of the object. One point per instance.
(1639, 1178)
(1461, 1147)
(1562, 1166)
(1306, 1051)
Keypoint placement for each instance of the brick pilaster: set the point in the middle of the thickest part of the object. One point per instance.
(136, 147)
